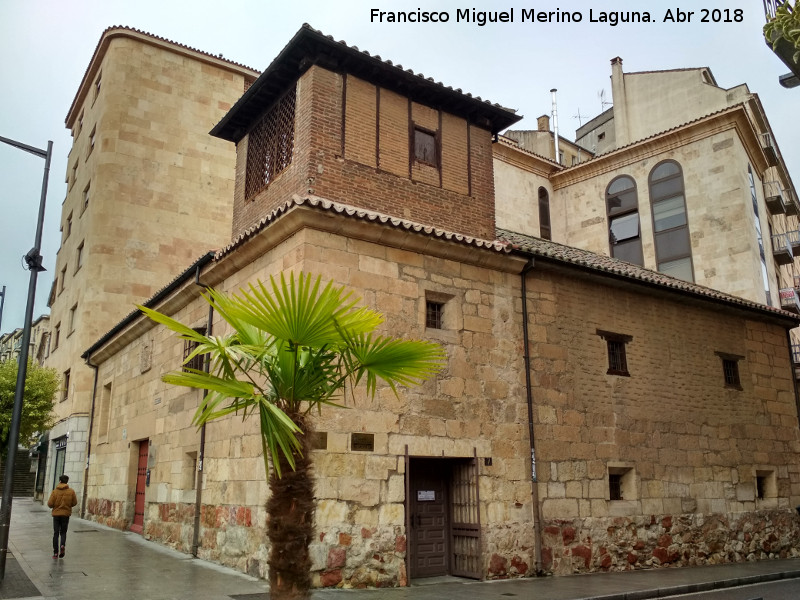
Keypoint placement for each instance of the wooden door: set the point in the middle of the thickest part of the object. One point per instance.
(465, 527)
(141, 481)
(429, 522)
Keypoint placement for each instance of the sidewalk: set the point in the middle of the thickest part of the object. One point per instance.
(107, 564)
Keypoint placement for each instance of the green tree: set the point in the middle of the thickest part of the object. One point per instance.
(294, 347)
(41, 385)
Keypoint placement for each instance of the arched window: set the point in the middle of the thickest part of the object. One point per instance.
(622, 208)
(544, 215)
(670, 225)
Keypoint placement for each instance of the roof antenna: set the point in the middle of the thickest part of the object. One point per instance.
(579, 116)
(603, 102)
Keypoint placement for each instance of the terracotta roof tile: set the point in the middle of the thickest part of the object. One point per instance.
(605, 264)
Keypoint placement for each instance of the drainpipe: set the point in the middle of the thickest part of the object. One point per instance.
(202, 451)
(537, 517)
(89, 440)
(794, 377)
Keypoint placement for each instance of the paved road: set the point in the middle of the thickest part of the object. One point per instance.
(776, 590)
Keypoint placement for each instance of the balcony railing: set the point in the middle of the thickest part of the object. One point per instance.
(768, 145)
(790, 202)
(789, 300)
(773, 197)
(771, 7)
(782, 249)
(793, 238)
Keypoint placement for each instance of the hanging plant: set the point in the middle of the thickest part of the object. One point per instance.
(785, 25)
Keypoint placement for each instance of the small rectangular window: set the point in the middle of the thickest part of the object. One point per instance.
(65, 391)
(92, 140)
(79, 257)
(68, 226)
(56, 336)
(617, 361)
(62, 279)
(766, 484)
(434, 312)
(617, 352)
(615, 486)
(104, 413)
(197, 362)
(72, 315)
(622, 483)
(86, 195)
(730, 370)
(425, 146)
(97, 83)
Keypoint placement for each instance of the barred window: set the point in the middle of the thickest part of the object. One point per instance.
(197, 362)
(617, 355)
(433, 314)
(270, 145)
(730, 369)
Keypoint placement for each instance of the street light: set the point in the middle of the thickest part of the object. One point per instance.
(34, 261)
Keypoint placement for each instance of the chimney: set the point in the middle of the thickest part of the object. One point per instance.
(543, 123)
(620, 103)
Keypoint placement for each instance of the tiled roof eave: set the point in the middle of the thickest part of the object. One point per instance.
(310, 46)
(607, 266)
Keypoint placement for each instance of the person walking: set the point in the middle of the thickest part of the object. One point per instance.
(62, 499)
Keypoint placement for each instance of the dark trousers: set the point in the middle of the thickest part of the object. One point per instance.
(60, 525)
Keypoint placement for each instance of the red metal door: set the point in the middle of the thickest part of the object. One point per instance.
(141, 480)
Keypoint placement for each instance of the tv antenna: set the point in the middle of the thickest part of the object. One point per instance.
(603, 102)
(580, 118)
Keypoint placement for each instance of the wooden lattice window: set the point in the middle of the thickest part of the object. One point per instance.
(270, 145)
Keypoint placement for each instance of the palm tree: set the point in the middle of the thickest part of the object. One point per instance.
(294, 347)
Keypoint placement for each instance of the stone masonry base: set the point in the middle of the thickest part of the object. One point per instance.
(624, 543)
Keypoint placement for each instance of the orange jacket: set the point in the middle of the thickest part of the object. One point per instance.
(62, 499)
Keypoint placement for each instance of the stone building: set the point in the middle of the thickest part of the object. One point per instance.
(686, 179)
(11, 342)
(147, 192)
(593, 414)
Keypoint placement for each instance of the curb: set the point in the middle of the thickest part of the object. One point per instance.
(694, 588)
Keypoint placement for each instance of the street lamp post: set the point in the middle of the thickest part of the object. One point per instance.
(34, 261)
(2, 302)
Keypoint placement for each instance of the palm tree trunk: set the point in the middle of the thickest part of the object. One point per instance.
(290, 523)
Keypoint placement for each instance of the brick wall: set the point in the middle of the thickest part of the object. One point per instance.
(364, 161)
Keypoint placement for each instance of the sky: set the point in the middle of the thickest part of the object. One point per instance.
(46, 46)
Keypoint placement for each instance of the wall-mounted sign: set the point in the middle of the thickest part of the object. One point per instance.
(426, 495)
(61, 443)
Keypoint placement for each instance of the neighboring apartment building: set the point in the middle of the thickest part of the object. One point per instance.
(11, 342)
(687, 180)
(148, 190)
(593, 414)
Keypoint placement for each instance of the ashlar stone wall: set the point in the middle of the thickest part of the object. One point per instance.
(474, 407)
(709, 471)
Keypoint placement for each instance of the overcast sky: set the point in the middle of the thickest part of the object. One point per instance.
(46, 46)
